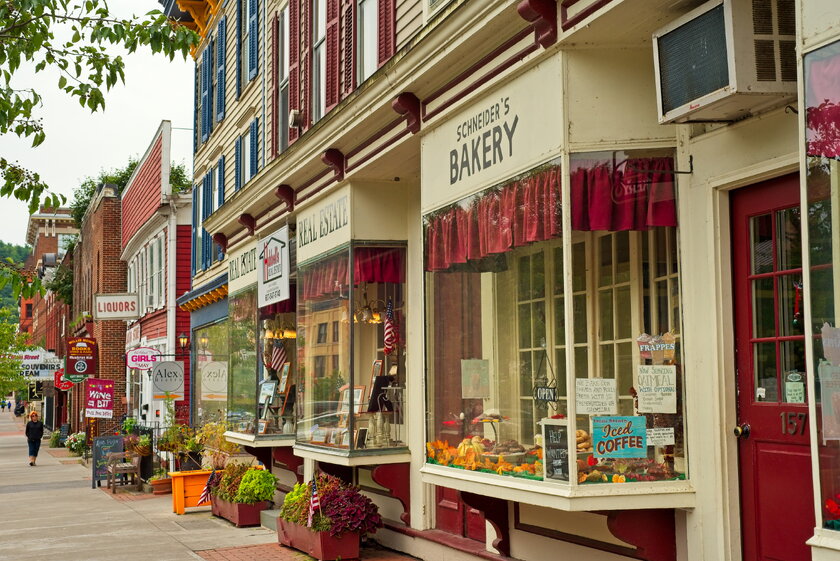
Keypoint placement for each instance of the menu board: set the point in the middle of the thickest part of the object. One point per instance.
(555, 437)
(102, 446)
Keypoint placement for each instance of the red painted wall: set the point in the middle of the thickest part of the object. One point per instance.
(182, 318)
(144, 194)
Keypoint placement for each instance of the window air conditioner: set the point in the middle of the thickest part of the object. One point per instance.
(726, 60)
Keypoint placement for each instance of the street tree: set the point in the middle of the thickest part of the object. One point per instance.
(80, 40)
(11, 342)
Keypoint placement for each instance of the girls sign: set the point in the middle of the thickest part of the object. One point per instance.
(99, 401)
(619, 437)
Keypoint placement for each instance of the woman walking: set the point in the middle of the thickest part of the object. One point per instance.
(34, 434)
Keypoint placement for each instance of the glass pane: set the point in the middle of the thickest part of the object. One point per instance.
(762, 243)
(607, 353)
(539, 324)
(788, 239)
(764, 314)
(661, 288)
(661, 252)
(624, 323)
(579, 267)
(581, 362)
(524, 277)
(622, 257)
(559, 322)
(605, 314)
(672, 246)
(791, 312)
(605, 277)
(580, 325)
(766, 373)
(557, 281)
(676, 318)
(538, 271)
(793, 368)
(242, 396)
(524, 326)
(560, 371)
(525, 369)
(625, 367)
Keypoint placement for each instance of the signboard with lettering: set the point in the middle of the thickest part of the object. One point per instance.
(102, 446)
(660, 436)
(59, 382)
(619, 437)
(273, 268)
(214, 376)
(555, 437)
(168, 380)
(596, 396)
(36, 364)
(116, 306)
(81, 359)
(132, 336)
(142, 358)
(242, 268)
(657, 388)
(324, 225)
(498, 136)
(99, 398)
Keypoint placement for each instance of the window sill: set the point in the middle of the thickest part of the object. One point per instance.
(367, 457)
(260, 440)
(612, 496)
(826, 540)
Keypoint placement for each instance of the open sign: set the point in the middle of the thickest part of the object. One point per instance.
(142, 358)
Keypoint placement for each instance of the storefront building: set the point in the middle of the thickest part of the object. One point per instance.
(548, 295)
(156, 242)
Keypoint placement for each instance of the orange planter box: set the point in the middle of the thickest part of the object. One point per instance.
(187, 487)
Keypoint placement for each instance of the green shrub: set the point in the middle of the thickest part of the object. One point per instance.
(55, 439)
(257, 485)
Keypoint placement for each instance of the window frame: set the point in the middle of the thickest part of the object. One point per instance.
(362, 70)
(284, 44)
(319, 60)
(244, 37)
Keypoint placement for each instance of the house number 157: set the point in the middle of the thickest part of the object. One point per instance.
(793, 422)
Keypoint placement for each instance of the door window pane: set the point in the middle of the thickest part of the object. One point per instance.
(766, 373)
(762, 243)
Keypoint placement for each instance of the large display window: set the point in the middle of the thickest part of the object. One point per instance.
(277, 389)
(245, 368)
(210, 385)
(555, 357)
(351, 363)
(822, 140)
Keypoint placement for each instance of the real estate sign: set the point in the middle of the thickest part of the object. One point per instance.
(273, 267)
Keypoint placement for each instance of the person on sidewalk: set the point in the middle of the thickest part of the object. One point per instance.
(34, 434)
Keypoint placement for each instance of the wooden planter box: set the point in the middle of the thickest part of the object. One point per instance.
(239, 514)
(187, 487)
(161, 486)
(319, 545)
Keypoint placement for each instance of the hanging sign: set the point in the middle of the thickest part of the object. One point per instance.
(242, 268)
(36, 364)
(214, 378)
(142, 358)
(619, 437)
(60, 383)
(132, 336)
(99, 400)
(168, 380)
(596, 396)
(116, 306)
(657, 389)
(273, 268)
(81, 359)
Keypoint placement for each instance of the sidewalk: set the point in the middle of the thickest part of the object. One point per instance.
(49, 512)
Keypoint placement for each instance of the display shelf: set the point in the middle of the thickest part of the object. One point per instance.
(260, 440)
(346, 457)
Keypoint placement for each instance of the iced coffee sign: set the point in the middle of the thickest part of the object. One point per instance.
(494, 138)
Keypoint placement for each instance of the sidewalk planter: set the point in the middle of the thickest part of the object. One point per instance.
(161, 486)
(238, 514)
(320, 545)
(186, 489)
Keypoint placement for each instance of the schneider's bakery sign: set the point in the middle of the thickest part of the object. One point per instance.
(499, 135)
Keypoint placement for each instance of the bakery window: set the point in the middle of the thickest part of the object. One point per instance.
(553, 353)
(351, 382)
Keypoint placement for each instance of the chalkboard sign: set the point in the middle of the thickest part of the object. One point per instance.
(102, 446)
(555, 434)
(64, 433)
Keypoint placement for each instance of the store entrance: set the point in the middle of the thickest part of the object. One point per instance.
(777, 510)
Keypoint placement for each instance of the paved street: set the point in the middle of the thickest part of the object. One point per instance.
(50, 513)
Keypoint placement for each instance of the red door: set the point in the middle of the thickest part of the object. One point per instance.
(777, 512)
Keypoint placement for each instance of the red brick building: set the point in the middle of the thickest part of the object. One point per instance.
(156, 241)
(97, 269)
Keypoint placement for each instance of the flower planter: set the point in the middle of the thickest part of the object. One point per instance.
(239, 514)
(320, 545)
(187, 487)
(161, 486)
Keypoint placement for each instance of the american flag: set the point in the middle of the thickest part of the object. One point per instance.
(314, 502)
(278, 355)
(205, 494)
(392, 332)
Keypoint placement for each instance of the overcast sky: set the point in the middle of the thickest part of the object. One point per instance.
(80, 143)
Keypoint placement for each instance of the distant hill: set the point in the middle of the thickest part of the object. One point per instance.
(18, 253)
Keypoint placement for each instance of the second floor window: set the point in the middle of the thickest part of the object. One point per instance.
(283, 79)
(368, 39)
(319, 59)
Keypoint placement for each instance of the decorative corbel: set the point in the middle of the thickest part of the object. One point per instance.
(248, 221)
(407, 105)
(543, 15)
(286, 194)
(335, 159)
(221, 241)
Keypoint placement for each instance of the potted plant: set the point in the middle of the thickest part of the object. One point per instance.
(77, 443)
(217, 448)
(240, 492)
(335, 528)
(190, 452)
(161, 482)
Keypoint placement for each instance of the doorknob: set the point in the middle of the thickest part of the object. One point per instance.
(742, 430)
